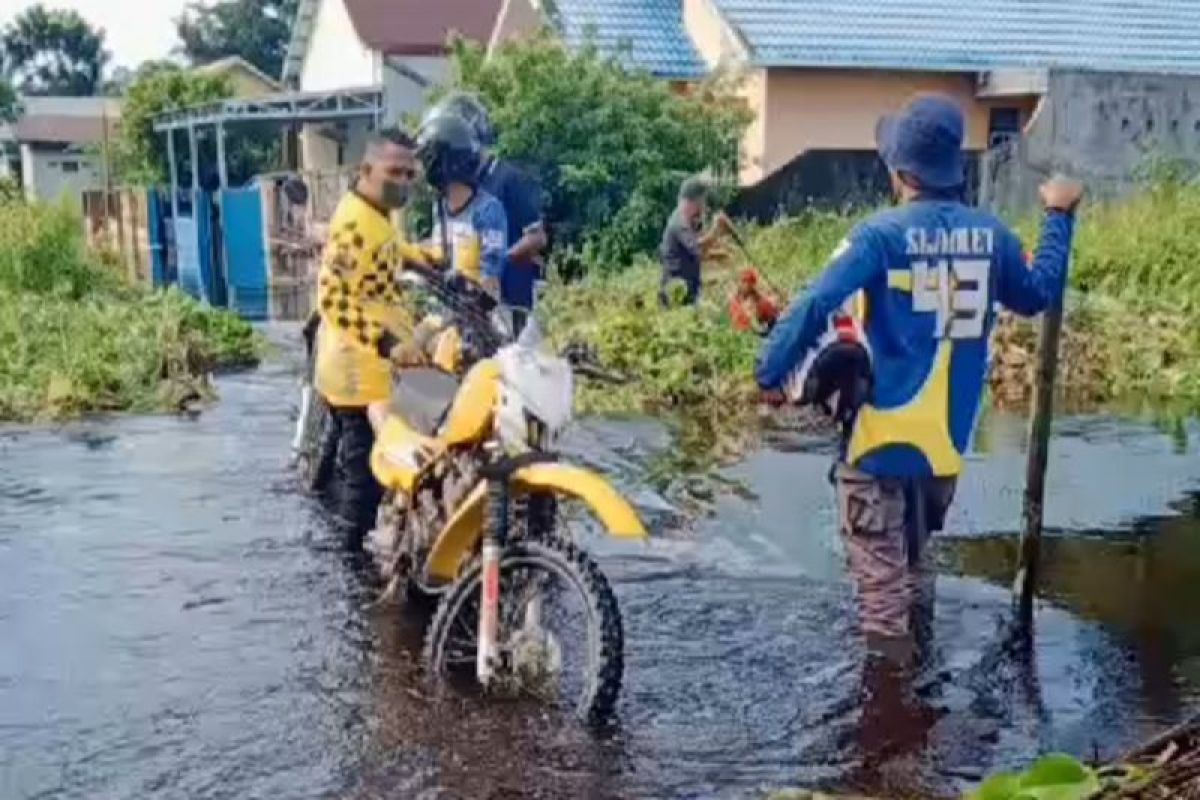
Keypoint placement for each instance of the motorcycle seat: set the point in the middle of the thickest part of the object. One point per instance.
(422, 397)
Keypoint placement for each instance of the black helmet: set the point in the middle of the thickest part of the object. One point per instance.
(471, 109)
(449, 151)
(837, 375)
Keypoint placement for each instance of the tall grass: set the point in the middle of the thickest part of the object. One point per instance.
(74, 338)
(1130, 337)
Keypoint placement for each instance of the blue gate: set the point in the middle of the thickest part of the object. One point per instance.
(245, 252)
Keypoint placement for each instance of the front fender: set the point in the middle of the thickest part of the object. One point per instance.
(614, 511)
(459, 539)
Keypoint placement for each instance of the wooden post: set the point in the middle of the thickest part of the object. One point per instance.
(1025, 587)
(107, 175)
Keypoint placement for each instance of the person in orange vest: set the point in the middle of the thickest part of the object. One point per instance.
(751, 308)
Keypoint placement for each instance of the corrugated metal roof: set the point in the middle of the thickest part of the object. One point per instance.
(646, 34)
(971, 35)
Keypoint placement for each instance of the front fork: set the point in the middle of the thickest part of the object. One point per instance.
(495, 537)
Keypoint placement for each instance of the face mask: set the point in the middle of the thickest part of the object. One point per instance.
(394, 194)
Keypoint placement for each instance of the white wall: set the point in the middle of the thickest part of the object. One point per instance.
(336, 57)
(48, 174)
(404, 96)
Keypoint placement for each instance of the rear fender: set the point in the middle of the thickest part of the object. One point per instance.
(460, 538)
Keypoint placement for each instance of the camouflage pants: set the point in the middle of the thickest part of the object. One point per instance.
(885, 523)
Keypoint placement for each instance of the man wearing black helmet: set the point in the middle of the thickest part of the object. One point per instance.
(521, 198)
(470, 228)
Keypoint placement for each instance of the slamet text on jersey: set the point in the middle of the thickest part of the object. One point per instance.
(938, 242)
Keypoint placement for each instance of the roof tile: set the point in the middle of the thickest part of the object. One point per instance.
(971, 35)
(644, 34)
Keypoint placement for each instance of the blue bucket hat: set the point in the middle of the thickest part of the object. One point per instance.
(925, 139)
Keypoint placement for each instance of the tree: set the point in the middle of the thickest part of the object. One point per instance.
(256, 30)
(608, 145)
(10, 105)
(52, 51)
(140, 153)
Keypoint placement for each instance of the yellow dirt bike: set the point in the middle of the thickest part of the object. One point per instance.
(469, 324)
(472, 518)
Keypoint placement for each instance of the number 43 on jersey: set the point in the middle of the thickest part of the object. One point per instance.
(956, 290)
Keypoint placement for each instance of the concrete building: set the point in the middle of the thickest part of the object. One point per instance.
(399, 45)
(55, 148)
(817, 74)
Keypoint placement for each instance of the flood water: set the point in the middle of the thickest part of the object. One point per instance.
(175, 621)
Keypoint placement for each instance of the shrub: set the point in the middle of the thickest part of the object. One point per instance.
(74, 338)
(609, 146)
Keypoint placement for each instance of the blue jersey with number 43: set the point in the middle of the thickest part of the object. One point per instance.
(930, 276)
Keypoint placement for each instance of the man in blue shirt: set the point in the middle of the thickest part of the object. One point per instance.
(520, 196)
(927, 278)
(469, 225)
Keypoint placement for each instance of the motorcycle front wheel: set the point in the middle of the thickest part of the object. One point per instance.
(560, 636)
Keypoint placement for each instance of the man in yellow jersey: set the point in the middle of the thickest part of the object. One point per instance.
(364, 329)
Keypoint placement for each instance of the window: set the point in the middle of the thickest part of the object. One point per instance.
(1003, 124)
(70, 166)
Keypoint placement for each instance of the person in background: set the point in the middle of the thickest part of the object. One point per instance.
(751, 308)
(933, 273)
(470, 228)
(685, 243)
(521, 198)
(363, 328)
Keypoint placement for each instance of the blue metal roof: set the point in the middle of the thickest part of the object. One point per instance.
(970, 35)
(644, 34)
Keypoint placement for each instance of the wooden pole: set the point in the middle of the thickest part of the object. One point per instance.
(1025, 587)
(107, 169)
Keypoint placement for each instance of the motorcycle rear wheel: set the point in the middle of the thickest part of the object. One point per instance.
(318, 448)
(450, 644)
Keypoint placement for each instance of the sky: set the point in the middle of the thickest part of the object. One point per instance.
(135, 30)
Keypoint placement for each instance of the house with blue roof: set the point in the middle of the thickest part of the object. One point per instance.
(819, 73)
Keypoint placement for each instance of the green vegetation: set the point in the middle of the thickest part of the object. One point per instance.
(1128, 338)
(74, 338)
(140, 154)
(609, 146)
(256, 30)
(49, 51)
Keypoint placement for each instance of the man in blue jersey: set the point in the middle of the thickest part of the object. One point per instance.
(470, 229)
(928, 278)
(521, 198)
